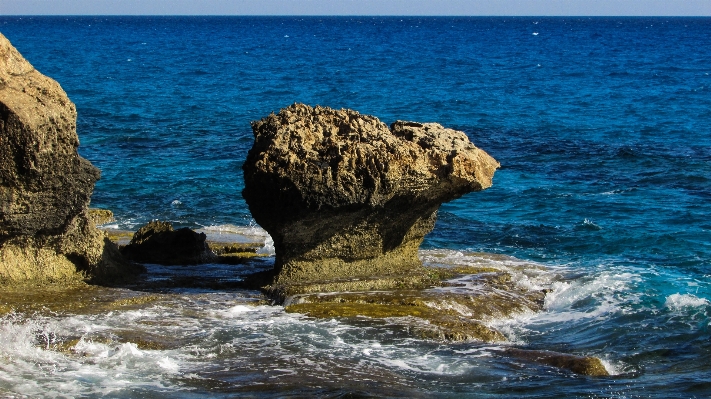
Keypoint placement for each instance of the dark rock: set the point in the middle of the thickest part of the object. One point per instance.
(585, 365)
(157, 242)
(343, 196)
(45, 186)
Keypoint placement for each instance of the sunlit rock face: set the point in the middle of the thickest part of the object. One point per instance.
(343, 195)
(45, 186)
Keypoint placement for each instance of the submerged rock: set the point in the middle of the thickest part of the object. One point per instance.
(157, 242)
(585, 365)
(344, 196)
(461, 308)
(447, 311)
(45, 186)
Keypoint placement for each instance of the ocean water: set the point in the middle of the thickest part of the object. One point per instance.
(603, 130)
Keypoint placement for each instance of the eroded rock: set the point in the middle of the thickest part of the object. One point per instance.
(101, 216)
(344, 196)
(45, 186)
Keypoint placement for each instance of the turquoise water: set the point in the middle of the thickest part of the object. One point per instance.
(602, 127)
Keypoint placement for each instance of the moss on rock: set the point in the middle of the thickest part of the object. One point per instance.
(445, 314)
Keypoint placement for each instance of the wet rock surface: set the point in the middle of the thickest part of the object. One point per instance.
(459, 306)
(585, 365)
(45, 186)
(449, 313)
(344, 196)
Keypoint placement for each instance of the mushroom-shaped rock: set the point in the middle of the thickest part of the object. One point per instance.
(45, 186)
(344, 196)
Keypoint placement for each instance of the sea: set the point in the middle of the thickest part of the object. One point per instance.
(602, 127)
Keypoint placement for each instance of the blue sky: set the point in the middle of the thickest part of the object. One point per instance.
(358, 7)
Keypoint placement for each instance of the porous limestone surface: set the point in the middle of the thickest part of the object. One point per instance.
(343, 195)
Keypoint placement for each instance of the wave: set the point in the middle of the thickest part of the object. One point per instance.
(680, 302)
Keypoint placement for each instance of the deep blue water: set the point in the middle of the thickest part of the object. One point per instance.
(602, 127)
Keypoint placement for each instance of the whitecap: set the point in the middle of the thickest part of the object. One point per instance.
(685, 301)
(238, 310)
(169, 364)
(590, 225)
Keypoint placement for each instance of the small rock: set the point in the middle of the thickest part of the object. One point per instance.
(101, 216)
(585, 365)
(157, 242)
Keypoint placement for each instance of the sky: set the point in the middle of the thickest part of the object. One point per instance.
(359, 7)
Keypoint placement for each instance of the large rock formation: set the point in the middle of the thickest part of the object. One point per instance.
(45, 186)
(344, 196)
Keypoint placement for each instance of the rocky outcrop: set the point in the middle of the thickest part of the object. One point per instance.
(344, 196)
(45, 186)
(157, 242)
(101, 216)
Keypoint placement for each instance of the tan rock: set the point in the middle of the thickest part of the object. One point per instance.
(343, 195)
(45, 186)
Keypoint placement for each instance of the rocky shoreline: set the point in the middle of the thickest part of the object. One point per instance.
(346, 199)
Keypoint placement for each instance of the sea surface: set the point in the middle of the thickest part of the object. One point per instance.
(603, 130)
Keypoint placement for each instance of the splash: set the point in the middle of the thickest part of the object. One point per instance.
(679, 302)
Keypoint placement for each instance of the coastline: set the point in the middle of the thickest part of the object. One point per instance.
(604, 184)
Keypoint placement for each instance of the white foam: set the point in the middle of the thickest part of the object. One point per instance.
(232, 233)
(205, 329)
(681, 301)
(602, 287)
(268, 247)
(613, 368)
(33, 367)
(237, 311)
(169, 364)
(580, 301)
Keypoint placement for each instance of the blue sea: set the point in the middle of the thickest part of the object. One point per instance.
(602, 127)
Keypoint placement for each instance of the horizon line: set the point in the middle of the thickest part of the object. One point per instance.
(371, 15)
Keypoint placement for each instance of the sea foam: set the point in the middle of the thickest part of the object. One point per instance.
(685, 301)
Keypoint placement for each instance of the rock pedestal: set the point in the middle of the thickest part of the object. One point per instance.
(344, 196)
(45, 186)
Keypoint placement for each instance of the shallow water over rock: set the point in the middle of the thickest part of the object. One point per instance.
(183, 329)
